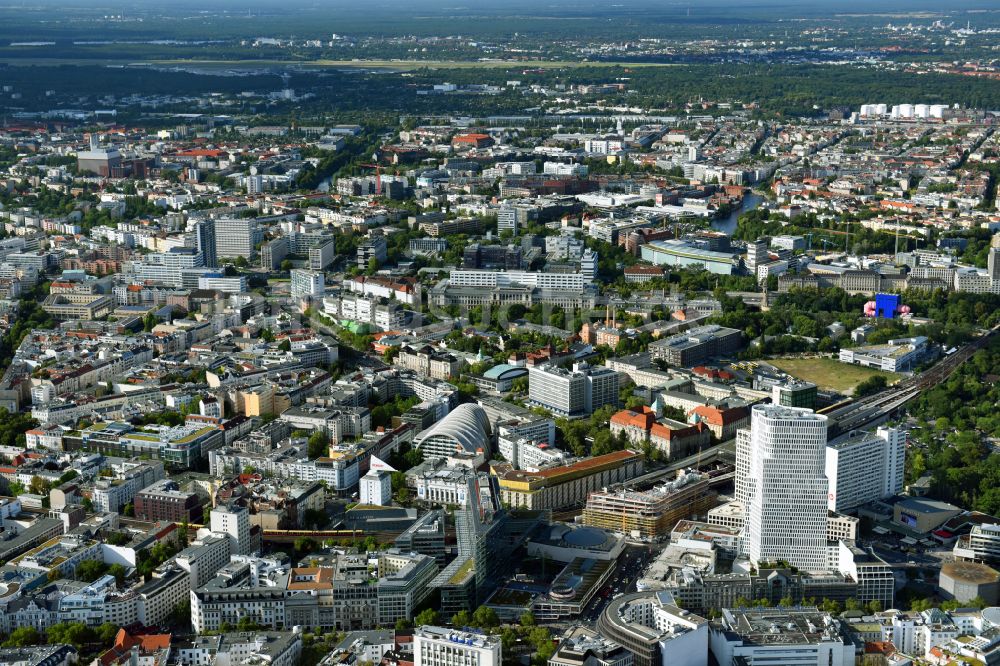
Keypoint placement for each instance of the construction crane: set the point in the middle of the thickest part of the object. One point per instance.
(378, 177)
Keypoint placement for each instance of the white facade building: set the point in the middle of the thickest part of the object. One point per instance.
(784, 486)
(863, 467)
(486, 278)
(307, 284)
(441, 646)
(234, 522)
(376, 487)
(575, 392)
(386, 316)
(236, 237)
(789, 637)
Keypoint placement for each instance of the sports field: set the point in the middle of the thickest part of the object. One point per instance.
(828, 373)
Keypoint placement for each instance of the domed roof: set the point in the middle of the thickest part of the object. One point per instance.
(466, 427)
(585, 537)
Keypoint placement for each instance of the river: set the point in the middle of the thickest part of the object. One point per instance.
(727, 225)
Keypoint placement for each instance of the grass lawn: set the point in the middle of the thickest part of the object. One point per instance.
(828, 373)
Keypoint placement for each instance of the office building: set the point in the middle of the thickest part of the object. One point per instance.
(794, 393)
(273, 648)
(442, 646)
(342, 593)
(863, 467)
(204, 558)
(780, 470)
(165, 501)
(376, 487)
(180, 446)
(372, 248)
(652, 513)
(428, 246)
(802, 636)
(790, 243)
(429, 362)
(484, 549)
(234, 522)
(536, 280)
(127, 479)
(78, 306)
(525, 454)
(255, 183)
(681, 254)
(321, 255)
(993, 259)
(874, 577)
(655, 630)
(566, 485)
(982, 544)
(697, 345)
(445, 228)
(219, 281)
(425, 536)
(757, 254)
(588, 265)
(476, 255)
(576, 392)
(586, 648)
(273, 252)
(404, 290)
(169, 267)
(204, 234)
(236, 238)
(641, 273)
(899, 355)
(383, 314)
(307, 284)
(704, 592)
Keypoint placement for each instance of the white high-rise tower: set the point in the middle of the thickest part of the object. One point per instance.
(234, 522)
(785, 488)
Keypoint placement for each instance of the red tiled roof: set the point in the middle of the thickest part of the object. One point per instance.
(880, 647)
(643, 270)
(666, 432)
(627, 417)
(124, 642)
(200, 152)
(716, 416)
(597, 461)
